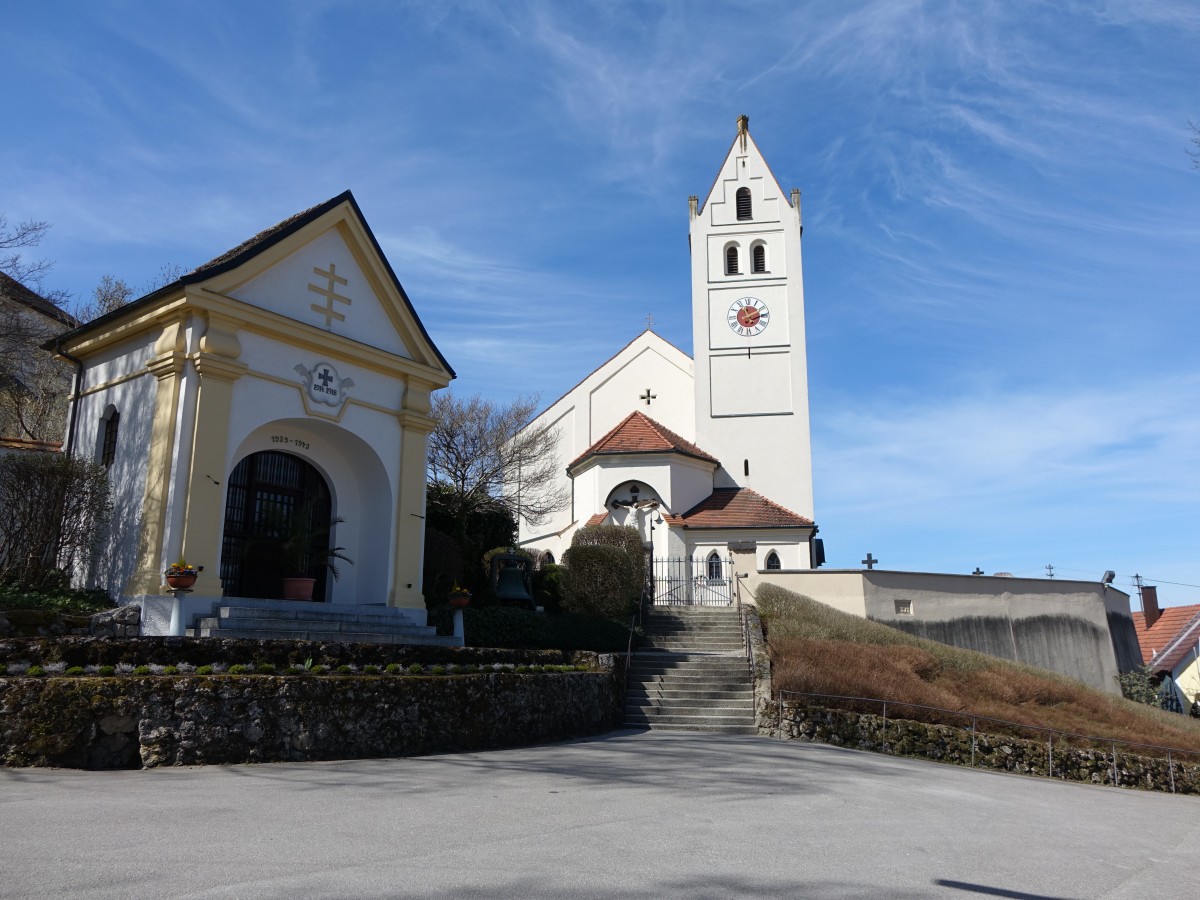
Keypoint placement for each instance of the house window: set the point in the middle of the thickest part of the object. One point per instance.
(108, 444)
(743, 204)
(904, 608)
(714, 566)
(759, 258)
(731, 260)
(773, 560)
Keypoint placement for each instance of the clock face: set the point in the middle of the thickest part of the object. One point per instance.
(748, 316)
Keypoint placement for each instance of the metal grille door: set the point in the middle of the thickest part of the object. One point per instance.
(692, 582)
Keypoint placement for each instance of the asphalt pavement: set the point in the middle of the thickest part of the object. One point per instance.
(629, 814)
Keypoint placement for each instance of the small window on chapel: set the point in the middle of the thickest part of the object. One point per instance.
(108, 447)
(773, 560)
(714, 566)
(759, 258)
(743, 204)
(731, 260)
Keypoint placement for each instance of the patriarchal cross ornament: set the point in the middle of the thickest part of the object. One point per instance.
(329, 292)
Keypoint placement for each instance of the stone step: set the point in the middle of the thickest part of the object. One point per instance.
(318, 634)
(706, 729)
(235, 625)
(735, 664)
(640, 691)
(381, 615)
(689, 707)
(648, 716)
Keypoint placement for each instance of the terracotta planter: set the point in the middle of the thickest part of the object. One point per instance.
(298, 588)
(460, 601)
(181, 582)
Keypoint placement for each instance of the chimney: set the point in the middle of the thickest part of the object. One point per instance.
(1150, 604)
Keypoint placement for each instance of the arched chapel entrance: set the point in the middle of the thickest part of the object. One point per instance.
(267, 490)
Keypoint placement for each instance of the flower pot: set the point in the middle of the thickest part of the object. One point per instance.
(460, 600)
(298, 588)
(181, 582)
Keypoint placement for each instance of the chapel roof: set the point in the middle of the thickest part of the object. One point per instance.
(1171, 638)
(13, 290)
(738, 508)
(264, 240)
(638, 433)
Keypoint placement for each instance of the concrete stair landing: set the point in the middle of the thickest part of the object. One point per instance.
(691, 673)
(298, 620)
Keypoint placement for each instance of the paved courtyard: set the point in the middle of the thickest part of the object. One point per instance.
(629, 814)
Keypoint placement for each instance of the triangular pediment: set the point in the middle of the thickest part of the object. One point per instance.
(744, 166)
(323, 268)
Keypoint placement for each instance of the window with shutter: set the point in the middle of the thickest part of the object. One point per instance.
(743, 204)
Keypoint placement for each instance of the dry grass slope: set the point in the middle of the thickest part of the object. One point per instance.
(818, 649)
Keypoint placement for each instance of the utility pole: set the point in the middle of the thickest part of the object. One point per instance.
(1049, 570)
(1137, 581)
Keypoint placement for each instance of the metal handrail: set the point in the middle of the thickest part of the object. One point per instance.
(629, 649)
(1112, 742)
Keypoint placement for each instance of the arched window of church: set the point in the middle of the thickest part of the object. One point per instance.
(758, 256)
(731, 260)
(547, 559)
(744, 210)
(109, 427)
(714, 566)
(773, 560)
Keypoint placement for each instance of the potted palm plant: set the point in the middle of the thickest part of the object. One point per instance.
(300, 540)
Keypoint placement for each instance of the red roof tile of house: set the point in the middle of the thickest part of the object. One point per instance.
(638, 433)
(739, 508)
(596, 519)
(1161, 643)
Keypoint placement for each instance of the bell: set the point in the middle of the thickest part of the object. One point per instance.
(510, 579)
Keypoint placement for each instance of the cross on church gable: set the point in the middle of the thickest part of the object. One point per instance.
(870, 561)
(648, 396)
(329, 292)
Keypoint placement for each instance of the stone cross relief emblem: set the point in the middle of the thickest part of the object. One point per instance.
(322, 384)
(329, 292)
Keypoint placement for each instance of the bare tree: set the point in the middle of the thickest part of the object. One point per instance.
(18, 237)
(1195, 154)
(482, 456)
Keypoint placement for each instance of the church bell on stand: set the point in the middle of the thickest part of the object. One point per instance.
(512, 578)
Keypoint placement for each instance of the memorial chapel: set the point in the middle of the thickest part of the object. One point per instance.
(708, 453)
(290, 373)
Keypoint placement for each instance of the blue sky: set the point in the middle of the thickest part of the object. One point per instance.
(1002, 224)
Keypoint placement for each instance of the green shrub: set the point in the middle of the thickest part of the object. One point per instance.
(522, 670)
(602, 581)
(392, 669)
(416, 669)
(438, 670)
(110, 671)
(319, 669)
(345, 670)
(61, 600)
(200, 670)
(34, 671)
(3, 669)
(141, 670)
(549, 583)
(265, 668)
(520, 629)
(74, 671)
(467, 669)
(370, 670)
(170, 670)
(296, 670)
(238, 669)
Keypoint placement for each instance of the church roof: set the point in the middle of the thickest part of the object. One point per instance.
(738, 508)
(13, 290)
(1171, 638)
(638, 433)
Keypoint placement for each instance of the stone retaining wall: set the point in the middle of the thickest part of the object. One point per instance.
(135, 722)
(864, 731)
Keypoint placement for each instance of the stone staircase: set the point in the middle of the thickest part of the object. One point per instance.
(691, 673)
(298, 620)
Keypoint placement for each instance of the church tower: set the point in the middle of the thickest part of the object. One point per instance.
(748, 330)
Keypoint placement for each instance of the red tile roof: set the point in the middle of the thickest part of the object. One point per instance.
(638, 433)
(596, 519)
(1158, 643)
(738, 508)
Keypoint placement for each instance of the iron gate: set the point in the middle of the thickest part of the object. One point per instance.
(691, 582)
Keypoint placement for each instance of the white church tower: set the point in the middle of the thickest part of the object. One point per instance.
(751, 368)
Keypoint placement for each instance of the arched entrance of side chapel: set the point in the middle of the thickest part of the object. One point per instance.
(267, 490)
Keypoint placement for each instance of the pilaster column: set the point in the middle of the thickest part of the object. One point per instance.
(167, 366)
(203, 524)
(408, 553)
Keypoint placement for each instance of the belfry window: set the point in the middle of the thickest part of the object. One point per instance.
(731, 260)
(758, 256)
(773, 560)
(744, 210)
(109, 425)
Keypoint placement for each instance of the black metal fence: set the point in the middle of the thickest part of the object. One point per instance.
(700, 581)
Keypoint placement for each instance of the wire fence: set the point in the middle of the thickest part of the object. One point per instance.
(1068, 741)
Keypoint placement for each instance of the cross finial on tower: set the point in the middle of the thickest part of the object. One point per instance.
(649, 321)
(743, 123)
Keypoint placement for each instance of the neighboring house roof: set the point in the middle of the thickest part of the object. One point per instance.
(738, 508)
(638, 433)
(18, 293)
(597, 519)
(264, 240)
(1171, 638)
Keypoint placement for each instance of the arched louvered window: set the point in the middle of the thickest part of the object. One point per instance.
(744, 210)
(773, 560)
(108, 446)
(758, 256)
(731, 260)
(714, 566)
